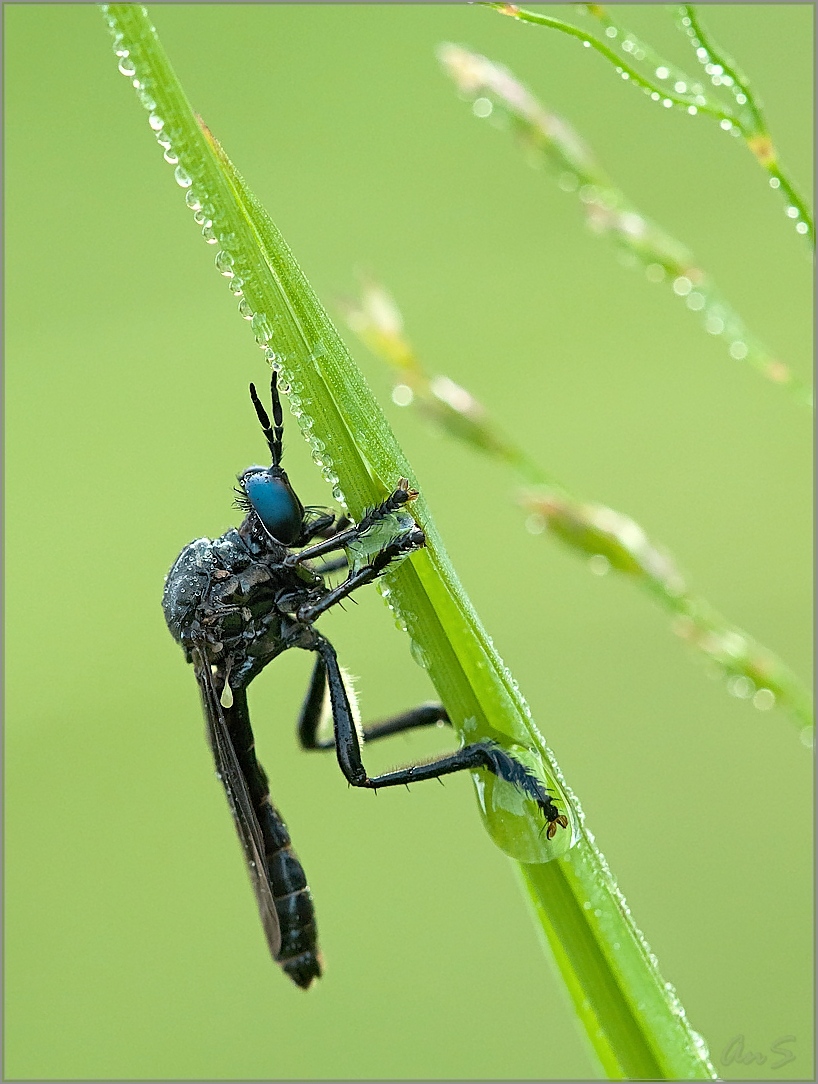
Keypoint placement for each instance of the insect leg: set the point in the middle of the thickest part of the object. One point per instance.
(393, 503)
(310, 718)
(380, 562)
(483, 754)
(335, 565)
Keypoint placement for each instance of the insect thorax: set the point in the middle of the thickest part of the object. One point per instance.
(233, 596)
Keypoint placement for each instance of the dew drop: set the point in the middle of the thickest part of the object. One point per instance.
(775, 182)
(654, 272)
(692, 110)
(662, 73)
(802, 227)
(667, 103)
(182, 177)
(656, 96)
(680, 87)
(209, 233)
(587, 44)
(740, 687)
(224, 263)
(741, 99)
(807, 737)
(419, 654)
(171, 157)
(156, 122)
(764, 699)
(127, 66)
(536, 523)
(738, 350)
(792, 212)
(246, 313)
(261, 329)
(610, 31)
(482, 107)
(599, 564)
(515, 823)
(402, 395)
(726, 125)
(682, 286)
(714, 325)
(695, 302)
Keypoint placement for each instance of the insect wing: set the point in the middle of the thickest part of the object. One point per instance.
(238, 797)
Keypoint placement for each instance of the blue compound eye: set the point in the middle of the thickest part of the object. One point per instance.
(275, 504)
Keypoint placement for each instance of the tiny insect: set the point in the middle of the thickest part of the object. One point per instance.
(234, 604)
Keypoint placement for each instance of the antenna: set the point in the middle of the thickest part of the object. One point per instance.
(272, 434)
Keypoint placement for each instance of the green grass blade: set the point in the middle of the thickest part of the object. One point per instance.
(633, 1020)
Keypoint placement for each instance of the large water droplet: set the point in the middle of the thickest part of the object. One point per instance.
(516, 823)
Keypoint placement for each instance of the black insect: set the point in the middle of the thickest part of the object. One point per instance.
(234, 604)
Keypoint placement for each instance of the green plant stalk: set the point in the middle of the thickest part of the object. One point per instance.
(624, 67)
(745, 118)
(590, 530)
(755, 129)
(634, 1022)
(607, 209)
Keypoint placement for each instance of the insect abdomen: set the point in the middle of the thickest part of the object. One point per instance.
(298, 955)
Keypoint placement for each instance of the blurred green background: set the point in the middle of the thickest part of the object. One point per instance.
(132, 944)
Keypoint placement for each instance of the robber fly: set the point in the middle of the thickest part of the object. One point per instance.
(234, 604)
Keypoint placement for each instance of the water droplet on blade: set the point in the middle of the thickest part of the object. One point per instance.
(515, 822)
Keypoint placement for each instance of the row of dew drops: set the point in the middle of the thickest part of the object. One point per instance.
(718, 77)
(233, 268)
(604, 880)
